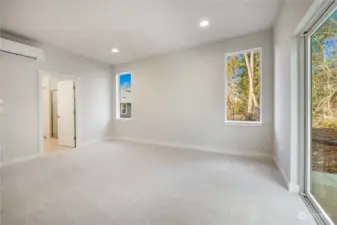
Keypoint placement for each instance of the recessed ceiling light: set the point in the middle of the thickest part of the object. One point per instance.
(114, 50)
(204, 23)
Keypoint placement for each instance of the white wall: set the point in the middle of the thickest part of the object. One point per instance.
(179, 98)
(19, 87)
(290, 18)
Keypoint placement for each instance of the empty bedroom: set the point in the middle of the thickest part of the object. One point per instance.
(168, 112)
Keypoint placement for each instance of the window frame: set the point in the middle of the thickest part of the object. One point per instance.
(118, 103)
(237, 122)
(319, 212)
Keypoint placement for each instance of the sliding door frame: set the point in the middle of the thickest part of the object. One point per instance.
(320, 214)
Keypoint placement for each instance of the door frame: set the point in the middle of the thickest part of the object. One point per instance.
(313, 204)
(41, 74)
(52, 93)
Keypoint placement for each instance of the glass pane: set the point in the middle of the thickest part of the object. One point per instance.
(243, 73)
(324, 115)
(125, 95)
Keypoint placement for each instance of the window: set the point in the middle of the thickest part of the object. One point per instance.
(123, 96)
(243, 86)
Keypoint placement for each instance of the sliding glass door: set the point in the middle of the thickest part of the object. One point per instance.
(321, 174)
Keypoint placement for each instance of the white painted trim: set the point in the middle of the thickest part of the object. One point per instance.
(326, 218)
(283, 174)
(291, 187)
(315, 11)
(117, 94)
(298, 99)
(300, 164)
(31, 157)
(203, 148)
(121, 119)
(320, 10)
(244, 123)
(20, 160)
(40, 112)
(294, 188)
(76, 80)
(308, 98)
(295, 119)
(95, 141)
(54, 74)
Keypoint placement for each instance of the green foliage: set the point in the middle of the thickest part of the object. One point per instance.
(239, 88)
(328, 124)
(324, 75)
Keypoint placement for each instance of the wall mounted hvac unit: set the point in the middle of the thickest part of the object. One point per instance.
(21, 49)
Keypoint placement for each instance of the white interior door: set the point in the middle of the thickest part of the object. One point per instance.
(66, 113)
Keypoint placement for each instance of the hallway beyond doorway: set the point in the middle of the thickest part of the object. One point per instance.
(58, 107)
(51, 145)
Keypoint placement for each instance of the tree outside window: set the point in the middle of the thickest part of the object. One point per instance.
(243, 86)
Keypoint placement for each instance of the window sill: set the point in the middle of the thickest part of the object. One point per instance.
(124, 119)
(244, 123)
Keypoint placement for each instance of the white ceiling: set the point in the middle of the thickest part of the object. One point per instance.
(138, 28)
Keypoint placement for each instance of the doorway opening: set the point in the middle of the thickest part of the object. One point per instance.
(57, 112)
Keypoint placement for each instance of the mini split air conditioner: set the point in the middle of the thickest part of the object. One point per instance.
(21, 49)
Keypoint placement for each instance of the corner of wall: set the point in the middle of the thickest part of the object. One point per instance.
(290, 186)
(279, 13)
(293, 188)
(113, 100)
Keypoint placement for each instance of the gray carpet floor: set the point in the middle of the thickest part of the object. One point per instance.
(116, 183)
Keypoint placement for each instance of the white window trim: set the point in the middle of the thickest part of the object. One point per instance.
(304, 160)
(244, 123)
(118, 103)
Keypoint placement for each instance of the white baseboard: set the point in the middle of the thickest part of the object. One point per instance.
(20, 160)
(195, 147)
(84, 144)
(292, 187)
(283, 174)
(31, 157)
